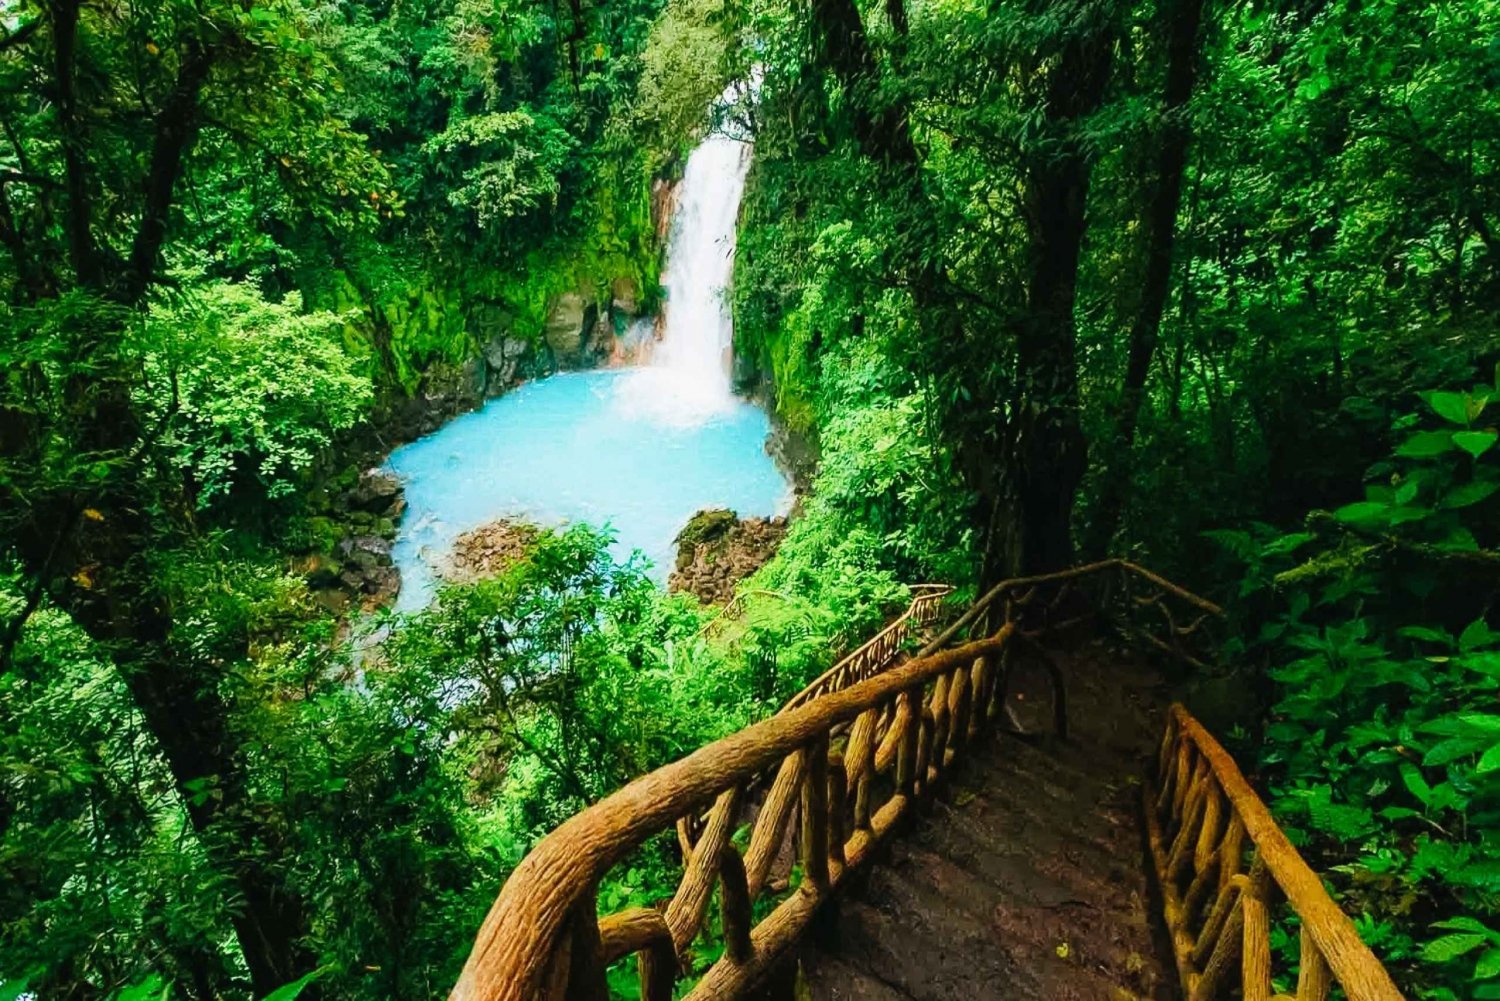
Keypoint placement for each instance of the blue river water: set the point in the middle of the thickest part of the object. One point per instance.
(595, 447)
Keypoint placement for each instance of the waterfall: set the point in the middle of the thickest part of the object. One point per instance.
(687, 380)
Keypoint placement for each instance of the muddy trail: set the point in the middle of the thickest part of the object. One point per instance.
(1026, 877)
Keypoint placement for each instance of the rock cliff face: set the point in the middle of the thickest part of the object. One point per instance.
(717, 549)
(356, 570)
(582, 332)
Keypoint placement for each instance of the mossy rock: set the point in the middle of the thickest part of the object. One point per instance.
(707, 526)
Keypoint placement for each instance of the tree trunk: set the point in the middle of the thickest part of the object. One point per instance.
(1043, 454)
(1114, 459)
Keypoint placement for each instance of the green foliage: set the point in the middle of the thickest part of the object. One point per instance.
(506, 164)
(1383, 748)
(247, 390)
(687, 62)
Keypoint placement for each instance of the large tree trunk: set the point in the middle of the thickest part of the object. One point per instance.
(100, 575)
(1114, 456)
(90, 544)
(1044, 455)
(1027, 485)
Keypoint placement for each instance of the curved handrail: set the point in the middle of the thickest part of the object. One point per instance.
(1207, 810)
(543, 938)
(879, 651)
(1020, 586)
(512, 957)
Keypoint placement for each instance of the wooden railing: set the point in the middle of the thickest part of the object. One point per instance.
(877, 654)
(881, 650)
(1219, 855)
(832, 778)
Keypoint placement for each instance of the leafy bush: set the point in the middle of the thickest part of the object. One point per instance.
(248, 391)
(1382, 752)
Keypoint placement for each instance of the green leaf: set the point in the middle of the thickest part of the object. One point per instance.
(1363, 511)
(1415, 783)
(1470, 493)
(1451, 750)
(1476, 443)
(1462, 924)
(1288, 543)
(1488, 965)
(1426, 633)
(1457, 408)
(1476, 634)
(287, 992)
(150, 989)
(1441, 950)
(1426, 444)
(10, 990)
(1489, 761)
(1465, 725)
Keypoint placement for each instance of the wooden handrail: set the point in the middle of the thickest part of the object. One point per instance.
(848, 765)
(1203, 819)
(879, 651)
(516, 952)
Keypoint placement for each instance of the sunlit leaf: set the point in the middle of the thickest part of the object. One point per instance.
(1457, 408)
(1441, 950)
(1426, 444)
(1476, 443)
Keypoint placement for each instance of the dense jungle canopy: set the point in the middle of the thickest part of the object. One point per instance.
(1214, 285)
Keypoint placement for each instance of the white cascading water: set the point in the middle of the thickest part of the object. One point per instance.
(687, 379)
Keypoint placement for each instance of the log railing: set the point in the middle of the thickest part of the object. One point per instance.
(841, 772)
(543, 938)
(1219, 857)
(881, 650)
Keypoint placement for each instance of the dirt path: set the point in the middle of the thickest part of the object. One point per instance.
(1025, 879)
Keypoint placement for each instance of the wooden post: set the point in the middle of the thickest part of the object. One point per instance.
(1313, 977)
(979, 708)
(734, 906)
(838, 788)
(658, 971)
(925, 742)
(910, 717)
(585, 956)
(815, 818)
(958, 707)
(770, 826)
(1255, 954)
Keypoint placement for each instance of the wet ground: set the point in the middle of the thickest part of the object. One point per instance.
(1026, 877)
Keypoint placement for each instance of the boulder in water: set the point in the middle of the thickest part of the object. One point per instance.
(487, 550)
(717, 549)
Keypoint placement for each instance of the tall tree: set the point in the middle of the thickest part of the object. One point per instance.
(1112, 455)
(117, 104)
(1046, 454)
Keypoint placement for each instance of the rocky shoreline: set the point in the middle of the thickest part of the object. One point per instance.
(349, 566)
(487, 550)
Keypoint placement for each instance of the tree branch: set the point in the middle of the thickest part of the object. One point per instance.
(176, 130)
(20, 35)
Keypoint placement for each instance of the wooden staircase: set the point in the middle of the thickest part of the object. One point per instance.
(939, 854)
(1024, 879)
